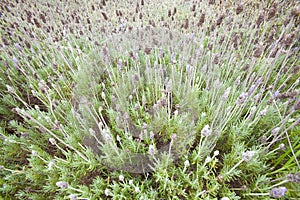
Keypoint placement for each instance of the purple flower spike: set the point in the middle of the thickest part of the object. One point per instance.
(278, 192)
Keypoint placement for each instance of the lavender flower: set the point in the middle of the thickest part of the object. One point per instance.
(251, 89)
(136, 107)
(151, 135)
(73, 197)
(15, 60)
(151, 150)
(34, 153)
(169, 86)
(278, 192)
(52, 141)
(275, 130)
(241, 99)
(248, 155)
(282, 147)
(276, 94)
(226, 93)
(208, 159)
(121, 177)
(51, 164)
(120, 64)
(62, 184)
(295, 178)
(186, 163)
(107, 192)
(225, 198)
(130, 182)
(173, 136)
(206, 131)
(137, 189)
(263, 112)
(216, 153)
(144, 126)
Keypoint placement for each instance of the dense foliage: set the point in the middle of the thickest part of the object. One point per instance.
(149, 99)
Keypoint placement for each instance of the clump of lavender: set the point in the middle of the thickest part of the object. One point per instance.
(148, 100)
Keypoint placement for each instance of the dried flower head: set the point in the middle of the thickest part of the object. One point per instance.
(257, 52)
(201, 20)
(271, 13)
(260, 18)
(239, 9)
(295, 11)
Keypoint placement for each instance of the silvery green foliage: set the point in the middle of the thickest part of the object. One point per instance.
(194, 97)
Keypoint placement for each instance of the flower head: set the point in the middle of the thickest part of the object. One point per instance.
(151, 135)
(151, 149)
(241, 99)
(278, 192)
(62, 184)
(51, 164)
(225, 198)
(295, 178)
(52, 141)
(137, 189)
(248, 155)
(130, 182)
(206, 131)
(73, 197)
(107, 192)
(121, 178)
(216, 153)
(173, 136)
(187, 163)
(34, 153)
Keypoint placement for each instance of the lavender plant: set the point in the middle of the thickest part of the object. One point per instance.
(149, 100)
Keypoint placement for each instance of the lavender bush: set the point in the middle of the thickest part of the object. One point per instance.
(150, 100)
